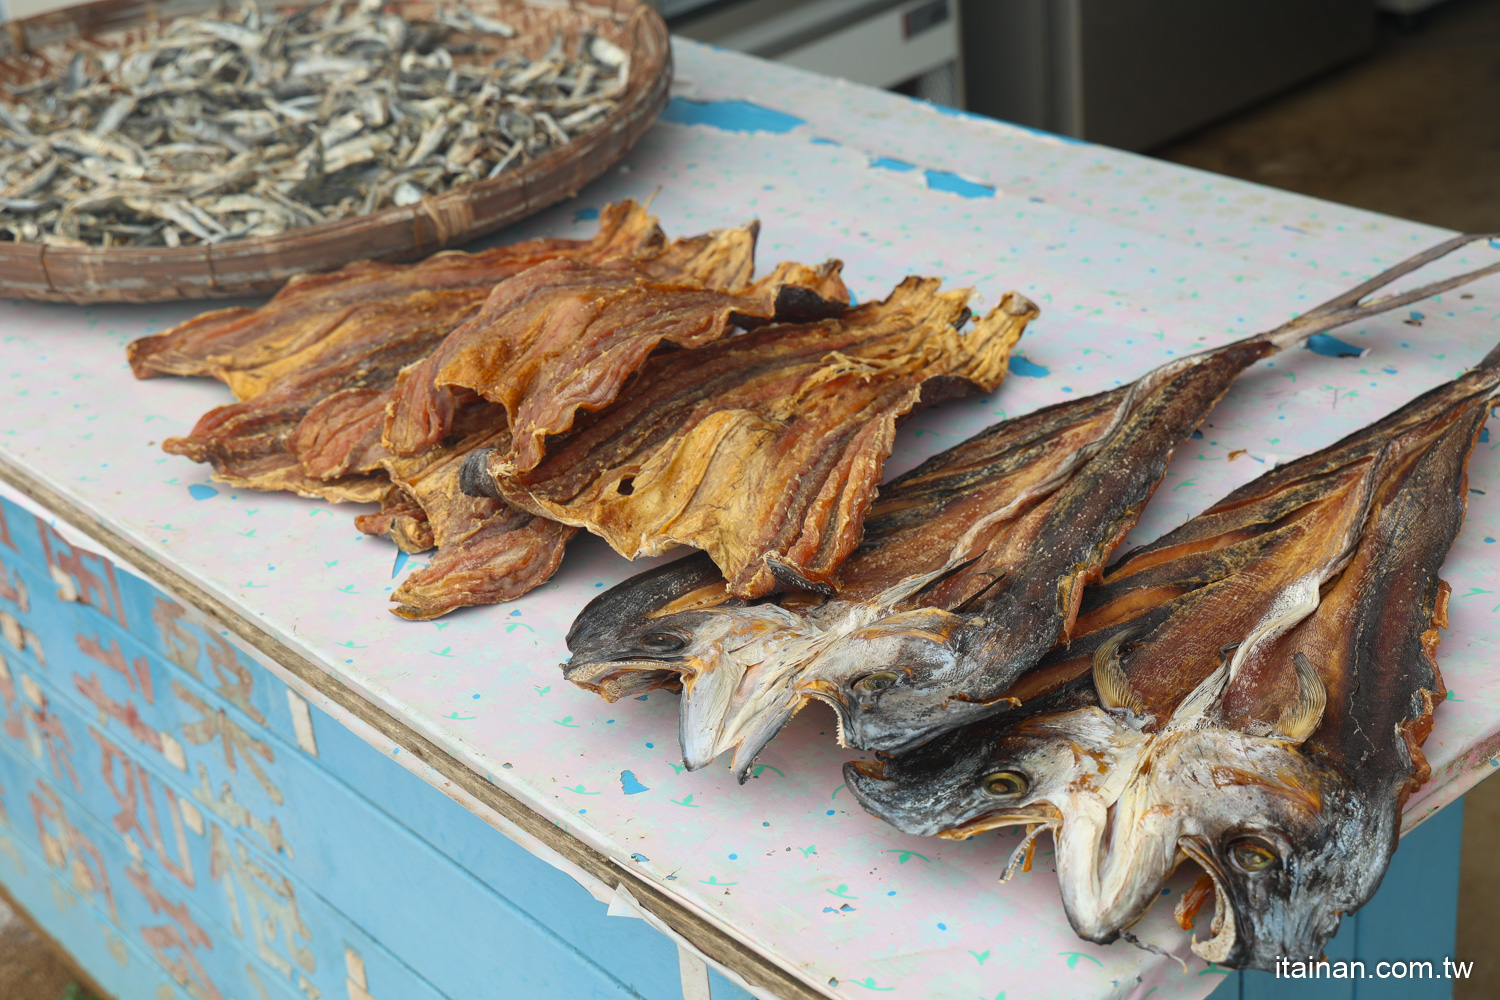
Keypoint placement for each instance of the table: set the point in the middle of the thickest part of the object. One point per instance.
(221, 777)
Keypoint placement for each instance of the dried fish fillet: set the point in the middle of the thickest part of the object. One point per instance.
(567, 306)
(973, 568)
(1255, 697)
(247, 348)
(487, 550)
(250, 443)
(804, 414)
(568, 333)
(545, 373)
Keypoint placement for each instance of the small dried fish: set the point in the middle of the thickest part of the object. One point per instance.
(206, 129)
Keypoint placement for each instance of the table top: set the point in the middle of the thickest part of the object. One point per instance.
(1133, 261)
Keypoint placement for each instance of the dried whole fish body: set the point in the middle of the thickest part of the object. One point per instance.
(246, 348)
(1277, 760)
(205, 129)
(568, 334)
(805, 412)
(917, 607)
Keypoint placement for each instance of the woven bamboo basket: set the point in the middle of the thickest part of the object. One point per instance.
(261, 265)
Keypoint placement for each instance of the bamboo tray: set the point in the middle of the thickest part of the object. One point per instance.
(261, 265)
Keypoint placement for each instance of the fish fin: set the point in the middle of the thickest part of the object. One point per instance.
(1301, 717)
(1110, 681)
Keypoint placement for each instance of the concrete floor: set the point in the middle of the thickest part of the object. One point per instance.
(31, 967)
(1412, 129)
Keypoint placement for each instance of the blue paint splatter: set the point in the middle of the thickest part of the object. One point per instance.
(1197, 435)
(639, 857)
(731, 116)
(202, 492)
(1484, 435)
(1489, 541)
(825, 142)
(584, 214)
(401, 559)
(629, 783)
(943, 180)
(942, 927)
(1332, 347)
(734, 857)
(891, 163)
(1027, 369)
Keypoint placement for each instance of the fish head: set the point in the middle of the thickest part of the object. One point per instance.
(676, 626)
(1038, 770)
(892, 682)
(1290, 843)
(646, 632)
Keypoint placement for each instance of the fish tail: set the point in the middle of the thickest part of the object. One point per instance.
(1490, 360)
(1351, 305)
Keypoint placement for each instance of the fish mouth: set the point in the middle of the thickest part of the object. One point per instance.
(1224, 931)
(616, 679)
(1037, 814)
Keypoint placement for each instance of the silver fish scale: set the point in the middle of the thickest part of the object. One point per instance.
(254, 122)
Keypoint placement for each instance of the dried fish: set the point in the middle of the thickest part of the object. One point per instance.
(248, 347)
(303, 117)
(807, 412)
(1254, 698)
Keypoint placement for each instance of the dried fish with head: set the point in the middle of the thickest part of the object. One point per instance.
(205, 129)
(1253, 698)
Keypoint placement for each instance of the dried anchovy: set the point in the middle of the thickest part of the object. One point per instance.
(207, 130)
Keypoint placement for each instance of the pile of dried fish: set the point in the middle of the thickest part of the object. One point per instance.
(495, 403)
(1250, 692)
(201, 130)
(1254, 700)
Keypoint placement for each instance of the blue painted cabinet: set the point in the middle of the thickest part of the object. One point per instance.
(162, 815)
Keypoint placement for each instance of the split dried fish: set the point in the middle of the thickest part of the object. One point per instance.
(1254, 699)
(204, 129)
(806, 412)
(972, 569)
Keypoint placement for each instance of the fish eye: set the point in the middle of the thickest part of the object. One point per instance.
(878, 681)
(1253, 854)
(1006, 783)
(662, 642)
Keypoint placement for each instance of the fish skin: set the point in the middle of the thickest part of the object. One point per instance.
(908, 559)
(1127, 796)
